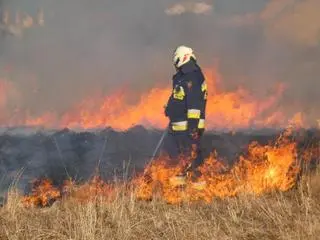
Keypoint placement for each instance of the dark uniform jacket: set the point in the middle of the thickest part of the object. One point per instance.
(187, 103)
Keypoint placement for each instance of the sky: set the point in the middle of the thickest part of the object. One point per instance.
(102, 45)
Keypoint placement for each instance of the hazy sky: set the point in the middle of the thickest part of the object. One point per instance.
(102, 44)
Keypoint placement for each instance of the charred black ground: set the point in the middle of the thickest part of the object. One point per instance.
(29, 154)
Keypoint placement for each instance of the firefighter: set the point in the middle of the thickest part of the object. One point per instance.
(186, 109)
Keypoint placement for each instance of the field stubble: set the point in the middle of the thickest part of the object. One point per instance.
(291, 215)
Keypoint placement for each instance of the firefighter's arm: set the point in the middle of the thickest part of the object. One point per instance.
(167, 109)
(193, 106)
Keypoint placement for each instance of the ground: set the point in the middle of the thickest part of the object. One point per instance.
(294, 214)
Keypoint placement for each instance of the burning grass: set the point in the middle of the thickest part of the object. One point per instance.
(263, 169)
(261, 196)
(291, 215)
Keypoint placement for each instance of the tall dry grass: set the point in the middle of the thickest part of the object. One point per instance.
(291, 215)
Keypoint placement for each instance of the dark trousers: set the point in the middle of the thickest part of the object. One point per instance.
(187, 148)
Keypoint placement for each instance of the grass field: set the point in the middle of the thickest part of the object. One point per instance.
(291, 215)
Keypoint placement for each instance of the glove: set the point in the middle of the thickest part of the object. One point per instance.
(194, 134)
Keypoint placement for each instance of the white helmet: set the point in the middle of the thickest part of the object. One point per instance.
(182, 55)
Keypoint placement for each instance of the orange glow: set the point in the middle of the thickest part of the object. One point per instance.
(8, 97)
(225, 110)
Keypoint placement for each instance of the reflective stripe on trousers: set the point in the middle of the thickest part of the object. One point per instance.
(201, 124)
(183, 125)
(180, 126)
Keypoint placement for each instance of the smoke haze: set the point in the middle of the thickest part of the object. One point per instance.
(86, 46)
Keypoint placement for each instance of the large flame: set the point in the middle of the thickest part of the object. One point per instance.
(262, 169)
(225, 110)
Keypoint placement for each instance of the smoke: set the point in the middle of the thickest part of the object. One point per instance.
(29, 154)
(193, 7)
(87, 46)
(288, 51)
(294, 22)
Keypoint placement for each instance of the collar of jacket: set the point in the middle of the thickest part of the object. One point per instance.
(190, 66)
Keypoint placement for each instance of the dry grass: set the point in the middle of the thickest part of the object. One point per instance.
(291, 215)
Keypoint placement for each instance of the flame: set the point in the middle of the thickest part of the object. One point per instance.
(225, 110)
(263, 169)
(43, 193)
(113, 111)
(89, 191)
